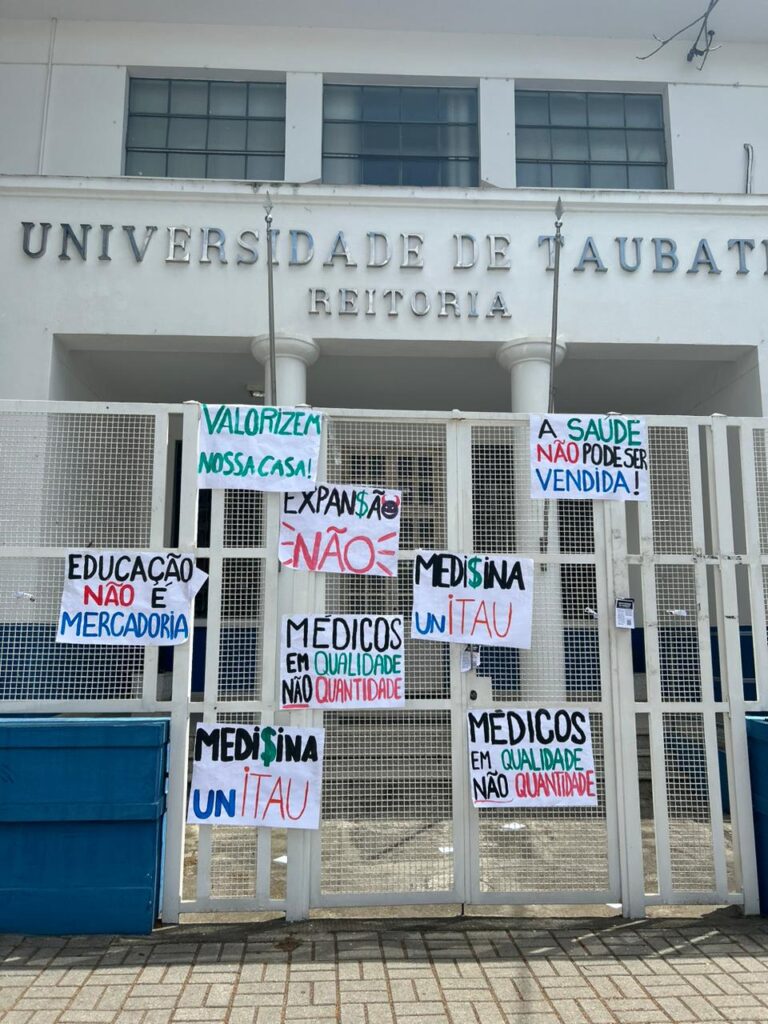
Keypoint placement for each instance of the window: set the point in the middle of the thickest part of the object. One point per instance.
(590, 140)
(388, 135)
(181, 128)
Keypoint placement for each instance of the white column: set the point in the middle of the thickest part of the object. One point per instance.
(303, 126)
(527, 360)
(542, 668)
(293, 354)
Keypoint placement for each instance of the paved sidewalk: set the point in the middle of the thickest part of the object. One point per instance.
(462, 971)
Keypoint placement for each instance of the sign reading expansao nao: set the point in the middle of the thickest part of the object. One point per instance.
(531, 757)
(472, 599)
(127, 597)
(341, 528)
(257, 448)
(266, 776)
(342, 661)
(592, 457)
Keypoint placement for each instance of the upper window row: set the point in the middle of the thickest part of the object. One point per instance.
(393, 135)
(190, 129)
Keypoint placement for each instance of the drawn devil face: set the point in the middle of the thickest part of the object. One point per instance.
(390, 508)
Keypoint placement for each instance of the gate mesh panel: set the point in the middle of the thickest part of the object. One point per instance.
(407, 456)
(547, 849)
(690, 827)
(427, 666)
(32, 665)
(72, 479)
(670, 490)
(243, 519)
(504, 516)
(564, 662)
(541, 849)
(761, 486)
(242, 621)
(386, 822)
(679, 660)
(68, 480)
(234, 849)
(565, 659)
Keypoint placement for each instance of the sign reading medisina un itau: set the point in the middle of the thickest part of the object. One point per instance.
(267, 776)
(257, 448)
(589, 457)
(345, 528)
(472, 599)
(127, 597)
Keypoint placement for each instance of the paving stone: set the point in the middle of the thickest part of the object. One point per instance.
(207, 1016)
(596, 1011)
(323, 992)
(242, 1015)
(525, 972)
(379, 1013)
(419, 1011)
(703, 1009)
(156, 1016)
(17, 1016)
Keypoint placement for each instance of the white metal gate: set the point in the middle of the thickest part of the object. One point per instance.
(667, 705)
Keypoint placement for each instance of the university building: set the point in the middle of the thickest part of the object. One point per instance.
(410, 157)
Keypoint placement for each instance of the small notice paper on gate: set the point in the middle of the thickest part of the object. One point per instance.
(266, 776)
(257, 447)
(531, 757)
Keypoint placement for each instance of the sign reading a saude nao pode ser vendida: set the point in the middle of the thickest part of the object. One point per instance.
(258, 448)
(266, 776)
(591, 457)
(127, 597)
(472, 599)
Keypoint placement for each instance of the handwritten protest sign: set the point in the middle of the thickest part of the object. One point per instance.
(593, 457)
(267, 776)
(341, 528)
(473, 599)
(127, 597)
(531, 757)
(342, 661)
(257, 447)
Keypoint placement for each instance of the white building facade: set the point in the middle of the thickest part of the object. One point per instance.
(412, 156)
(401, 155)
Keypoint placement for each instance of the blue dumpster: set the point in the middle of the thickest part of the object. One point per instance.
(757, 746)
(81, 815)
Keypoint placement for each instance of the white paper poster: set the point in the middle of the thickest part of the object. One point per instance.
(472, 599)
(342, 661)
(257, 447)
(127, 597)
(591, 457)
(344, 528)
(531, 757)
(259, 776)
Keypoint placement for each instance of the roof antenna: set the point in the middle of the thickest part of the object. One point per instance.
(702, 46)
